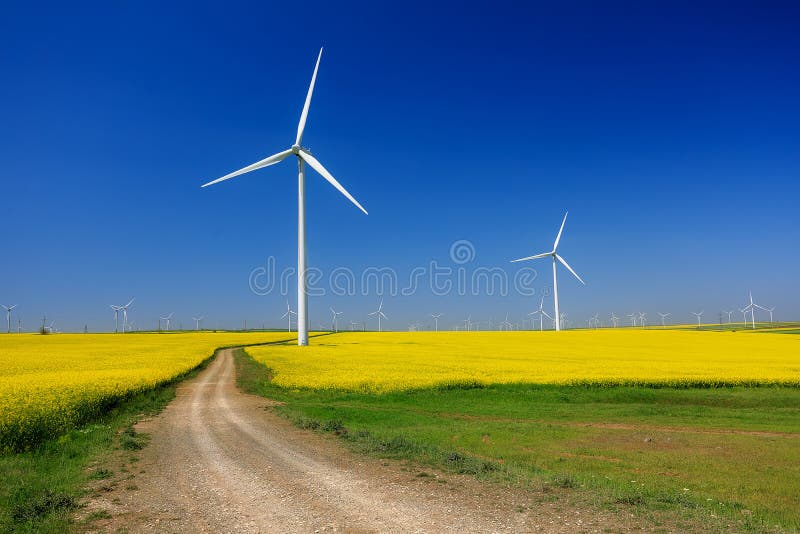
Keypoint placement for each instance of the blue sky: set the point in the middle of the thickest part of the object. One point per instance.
(670, 133)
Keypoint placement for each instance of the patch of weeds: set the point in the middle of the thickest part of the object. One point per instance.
(676, 498)
(397, 444)
(469, 465)
(335, 426)
(423, 474)
(563, 480)
(131, 487)
(100, 474)
(308, 424)
(631, 500)
(130, 440)
(29, 505)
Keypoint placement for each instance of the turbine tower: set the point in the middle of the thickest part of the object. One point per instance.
(335, 315)
(556, 258)
(116, 317)
(8, 315)
(436, 320)
(125, 314)
(303, 156)
(379, 313)
(541, 313)
(288, 315)
(197, 321)
(614, 319)
(168, 318)
(729, 315)
(752, 309)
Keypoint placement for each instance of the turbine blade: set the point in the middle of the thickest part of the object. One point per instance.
(536, 257)
(547, 315)
(373, 313)
(284, 315)
(317, 166)
(301, 126)
(565, 264)
(266, 162)
(558, 237)
(384, 316)
(131, 302)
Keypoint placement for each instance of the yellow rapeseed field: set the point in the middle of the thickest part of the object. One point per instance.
(390, 361)
(49, 384)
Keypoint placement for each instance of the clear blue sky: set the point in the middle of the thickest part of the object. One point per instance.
(670, 132)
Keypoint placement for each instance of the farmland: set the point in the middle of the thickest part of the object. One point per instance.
(639, 420)
(50, 384)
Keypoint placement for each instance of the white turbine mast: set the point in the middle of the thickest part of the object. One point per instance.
(663, 317)
(643, 319)
(125, 314)
(614, 319)
(698, 315)
(303, 156)
(556, 259)
(168, 318)
(436, 319)
(197, 321)
(8, 316)
(541, 313)
(288, 315)
(334, 323)
(379, 313)
(752, 309)
(729, 315)
(633, 318)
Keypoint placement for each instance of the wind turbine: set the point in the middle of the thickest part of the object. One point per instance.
(168, 318)
(556, 258)
(197, 321)
(379, 313)
(303, 156)
(125, 314)
(633, 318)
(288, 315)
(130, 326)
(8, 315)
(770, 310)
(729, 315)
(468, 323)
(506, 324)
(643, 319)
(663, 316)
(542, 314)
(752, 309)
(614, 319)
(116, 317)
(436, 319)
(335, 315)
(698, 315)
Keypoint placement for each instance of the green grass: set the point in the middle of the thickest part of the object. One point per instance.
(735, 450)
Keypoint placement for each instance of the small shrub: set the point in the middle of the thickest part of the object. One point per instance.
(31, 507)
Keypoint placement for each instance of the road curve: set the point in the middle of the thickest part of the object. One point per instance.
(219, 461)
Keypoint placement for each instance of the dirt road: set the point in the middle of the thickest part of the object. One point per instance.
(218, 461)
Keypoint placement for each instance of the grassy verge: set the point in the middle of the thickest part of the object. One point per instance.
(42, 488)
(722, 458)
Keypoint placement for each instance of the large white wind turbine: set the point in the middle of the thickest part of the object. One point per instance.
(288, 315)
(556, 258)
(8, 315)
(303, 156)
(379, 313)
(436, 320)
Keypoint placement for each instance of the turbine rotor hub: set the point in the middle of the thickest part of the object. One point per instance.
(295, 149)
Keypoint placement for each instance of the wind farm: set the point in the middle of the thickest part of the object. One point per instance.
(284, 364)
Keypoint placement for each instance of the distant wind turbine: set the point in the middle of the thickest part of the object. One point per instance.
(698, 315)
(379, 313)
(752, 309)
(288, 315)
(125, 314)
(663, 316)
(436, 319)
(614, 319)
(729, 315)
(168, 318)
(556, 259)
(770, 310)
(541, 313)
(506, 324)
(8, 315)
(334, 322)
(197, 321)
(633, 318)
(643, 319)
(303, 156)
